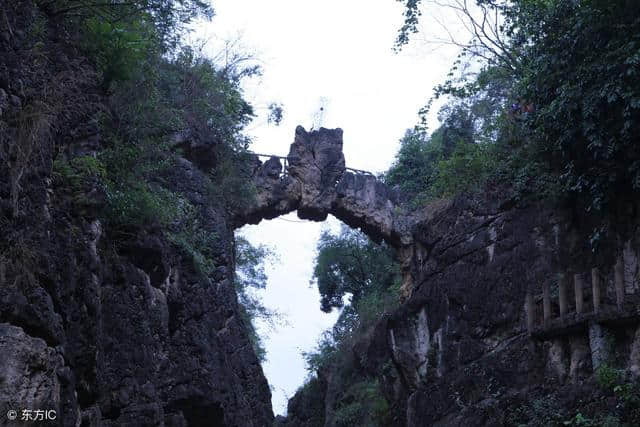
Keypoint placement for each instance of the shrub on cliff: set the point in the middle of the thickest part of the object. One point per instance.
(451, 160)
(559, 81)
(363, 404)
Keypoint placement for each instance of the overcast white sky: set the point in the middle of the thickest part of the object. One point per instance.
(338, 51)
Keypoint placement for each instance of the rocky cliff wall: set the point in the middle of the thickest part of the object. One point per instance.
(103, 330)
(462, 349)
(461, 343)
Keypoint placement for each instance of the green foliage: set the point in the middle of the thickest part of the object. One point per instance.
(468, 168)
(612, 381)
(628, 392)
(415, 168)
(158, 89)
(350, 263)
(38, 31)
(250, 275)
(159, 100)
(576, 64)
(363, 400)
(541, 412)
(324, 355)
(410, 25)
(547, 411)
(276, 113)
(120, 36)
(162, 99)
(168, 18)
(88, 167)
(250, 263)
(311, 396)
(452, 160)
(194, 239)
(79, 171)
(191, 242)
(375, 302)
(230, 181)
(208, 100)
(607, 377)
(580, 420)
(139, 205)
(79, 178)
(117, 48)
(181, 95)
(134, 196)
(598, 421)
(581, 71)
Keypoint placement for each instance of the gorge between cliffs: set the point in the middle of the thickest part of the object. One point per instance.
(489, 277)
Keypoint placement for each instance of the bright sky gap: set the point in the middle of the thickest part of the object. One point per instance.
(337, 55)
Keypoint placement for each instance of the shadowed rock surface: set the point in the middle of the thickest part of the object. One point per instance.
(107, 331)
(133, 337)
(457, 352)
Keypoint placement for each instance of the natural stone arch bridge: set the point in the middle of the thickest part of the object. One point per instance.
(315, 182)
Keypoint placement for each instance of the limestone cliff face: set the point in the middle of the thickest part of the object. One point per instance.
(461, 350)
(103, 332)
(461, 345)
(128, 337)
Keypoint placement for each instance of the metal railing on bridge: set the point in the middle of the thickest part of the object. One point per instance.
(285, 161)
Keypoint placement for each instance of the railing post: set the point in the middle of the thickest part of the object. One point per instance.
(529, 310)
(595, 289)
(546, 302)
(619, 279)
(578, 285)
(562, 294)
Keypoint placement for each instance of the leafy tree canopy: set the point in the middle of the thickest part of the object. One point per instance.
(574, 66)
(350, 263)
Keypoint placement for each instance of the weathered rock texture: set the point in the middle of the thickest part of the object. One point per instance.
(103, 332)
(316, 183)
(458, 352)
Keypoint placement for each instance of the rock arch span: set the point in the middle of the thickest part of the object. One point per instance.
(317, 183)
